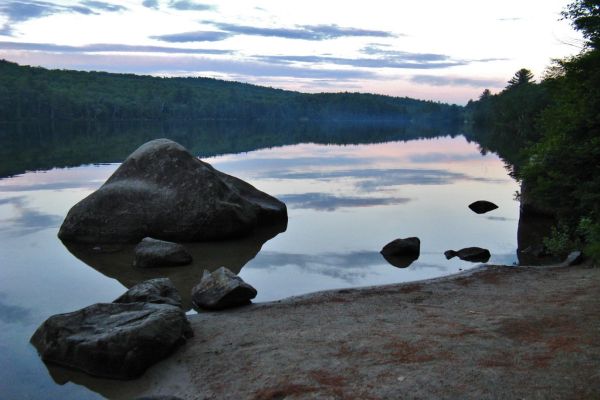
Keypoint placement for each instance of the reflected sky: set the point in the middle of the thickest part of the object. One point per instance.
(345, 202)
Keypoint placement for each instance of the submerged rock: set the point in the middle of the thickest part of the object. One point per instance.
(409, 247)
(157, 291)
(401, 261)
(112, 340)
(482, 206)
(221, 289)
(163, 191)
(473, 254)
(151, 253)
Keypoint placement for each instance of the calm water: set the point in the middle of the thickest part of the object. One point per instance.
(344, 202)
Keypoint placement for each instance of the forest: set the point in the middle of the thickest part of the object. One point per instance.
(34, 93)
(549, 133)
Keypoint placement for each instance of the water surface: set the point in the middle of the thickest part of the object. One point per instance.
(345, 202)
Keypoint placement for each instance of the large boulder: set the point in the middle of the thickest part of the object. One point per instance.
(150, 253)
(112, 340)
(157, 291)
(482, 206)
(164, 192)
(221, 289)
(473, 254)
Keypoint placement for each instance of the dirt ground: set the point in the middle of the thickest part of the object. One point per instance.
(496, 333)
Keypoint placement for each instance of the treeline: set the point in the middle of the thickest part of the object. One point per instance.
(550, 133)
(42, 145)
(30, 93)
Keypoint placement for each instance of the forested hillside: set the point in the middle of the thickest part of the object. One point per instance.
(550, 132)
(28, 93)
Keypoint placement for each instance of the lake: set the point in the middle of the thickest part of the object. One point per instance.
(349, 191)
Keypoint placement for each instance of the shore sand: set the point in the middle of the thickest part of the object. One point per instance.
(494, 333)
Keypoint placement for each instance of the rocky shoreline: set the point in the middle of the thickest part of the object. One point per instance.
(493, 332)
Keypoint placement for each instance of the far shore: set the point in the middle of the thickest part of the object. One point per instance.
(492, 332)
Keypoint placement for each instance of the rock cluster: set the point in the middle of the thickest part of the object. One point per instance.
(117, 340)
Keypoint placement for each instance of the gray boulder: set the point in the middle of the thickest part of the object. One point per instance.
(164, 192)
(409, 247)
(150, 253)
(473, 254)
(156, 291)
(221, 289)
(482, 206)
(574, 258)
(112, 340)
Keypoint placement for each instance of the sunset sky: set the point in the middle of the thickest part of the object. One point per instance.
(437, 50)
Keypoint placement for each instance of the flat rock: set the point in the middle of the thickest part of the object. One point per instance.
(473, 254)
(221, 289)
(482, 206)
(150, 253)
(408, 247)
(112, 340)
(156, 291)
(163, 191)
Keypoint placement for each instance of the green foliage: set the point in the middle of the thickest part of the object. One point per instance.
(28, 94)
(590, 231)
(585, 17)
(551, 134)
(521, 77)
(560, 242)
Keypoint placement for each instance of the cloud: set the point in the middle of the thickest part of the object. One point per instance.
(349, 267)
(442, 157)
(304, 32)
(407, 61)
(100, 5)
(24, 10)
(196, 36)
(371, 180)
(10, 314)
(492, 218)
(104, 48)
(379, 57)
(150, 4)
(434, 80)
(26, 220)
(328, 202)
(187, 5)
(147, 64)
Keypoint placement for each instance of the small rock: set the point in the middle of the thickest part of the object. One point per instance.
(402, 247)
(574, 258)
(473, 254)
(112, 340)
(151, 253)
(450, 254)
(482, 206)
(221, 289)
(157, 291)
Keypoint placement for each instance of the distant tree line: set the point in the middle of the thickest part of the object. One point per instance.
(28, 93)
(550, 133)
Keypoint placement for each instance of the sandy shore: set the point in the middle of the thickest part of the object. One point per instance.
(495, 333)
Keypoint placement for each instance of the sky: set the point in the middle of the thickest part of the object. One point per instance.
(448, 51)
